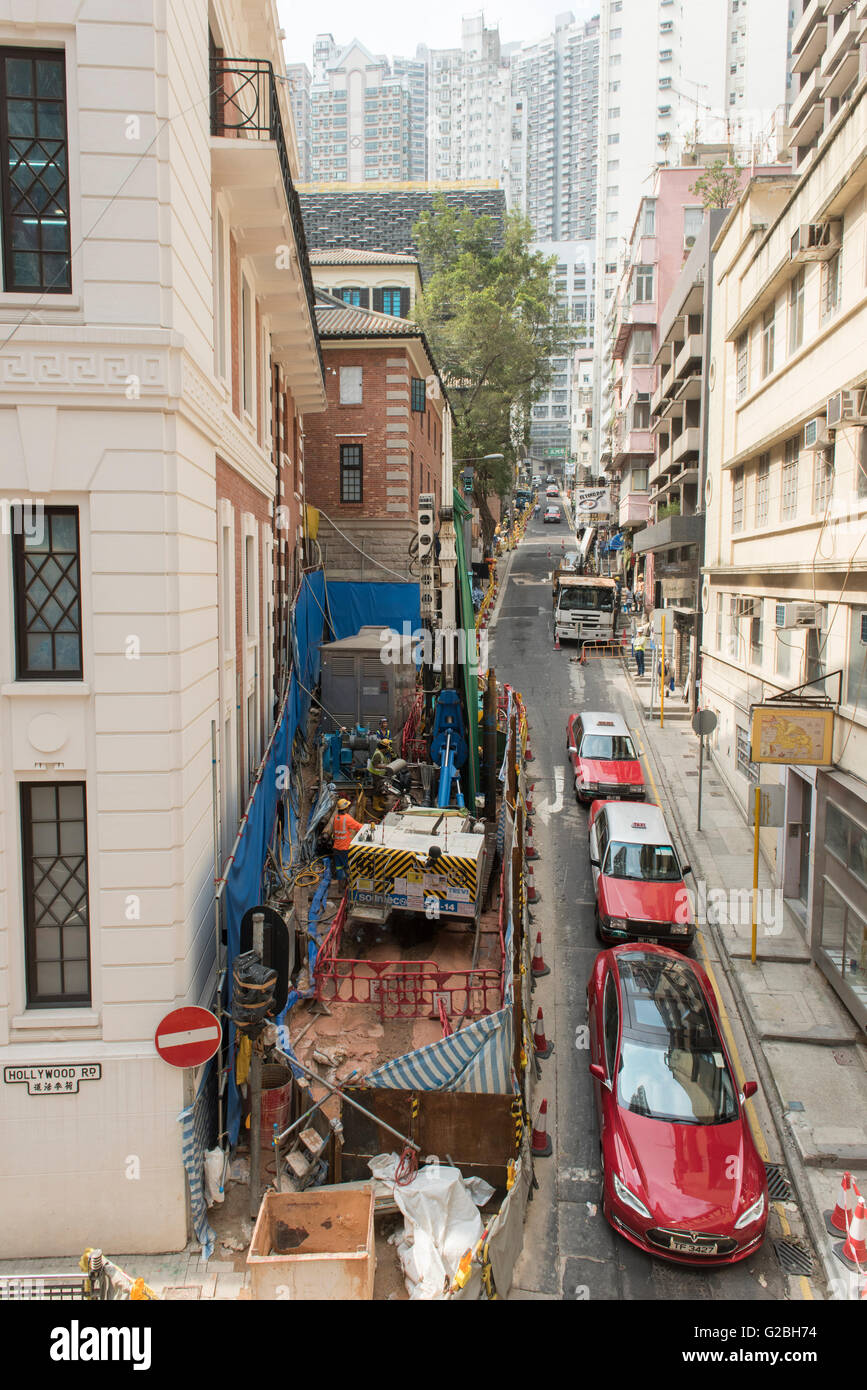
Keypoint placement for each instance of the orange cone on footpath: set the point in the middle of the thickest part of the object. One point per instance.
(541, 1045)
(541, 1146)
(532, 895)
(530, 850)
(538, 966)
(837, 1221)
(852, 1252)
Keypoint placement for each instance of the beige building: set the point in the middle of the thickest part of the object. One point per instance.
(388, 282)
(158, 358)
(784, 591)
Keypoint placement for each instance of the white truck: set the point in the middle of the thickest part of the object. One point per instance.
(585, 607)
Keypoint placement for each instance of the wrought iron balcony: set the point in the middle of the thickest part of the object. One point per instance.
(244, 106)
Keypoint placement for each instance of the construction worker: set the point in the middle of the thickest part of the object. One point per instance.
(639, 643)
(344, 828)
(378, 767)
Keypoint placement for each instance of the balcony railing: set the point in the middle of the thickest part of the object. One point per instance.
(244, 106)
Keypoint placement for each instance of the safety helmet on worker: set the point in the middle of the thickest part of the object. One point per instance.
(343, 804)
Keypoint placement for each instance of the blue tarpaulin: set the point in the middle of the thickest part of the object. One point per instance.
(244, 876)
(354, 606)
(478, 1058)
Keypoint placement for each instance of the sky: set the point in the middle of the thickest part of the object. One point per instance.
(394, 27)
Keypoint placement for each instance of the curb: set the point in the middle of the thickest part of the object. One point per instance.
(812, 1217)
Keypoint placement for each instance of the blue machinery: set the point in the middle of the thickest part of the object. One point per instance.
(448, 747)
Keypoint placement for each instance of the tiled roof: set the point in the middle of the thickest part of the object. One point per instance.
(349, 321)
(347, 255)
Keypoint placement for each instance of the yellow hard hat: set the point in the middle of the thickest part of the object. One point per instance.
(343, 804)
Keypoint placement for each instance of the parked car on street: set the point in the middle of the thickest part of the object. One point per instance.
(552, 514)
(681, 1176)
(603, 757)
(638, 877)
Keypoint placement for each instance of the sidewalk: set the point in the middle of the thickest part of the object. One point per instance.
(813, 1053)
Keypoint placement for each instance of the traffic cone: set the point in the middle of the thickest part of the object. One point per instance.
(556, 640)
(530, 850)
(541, 1146)
(538, 966)
(532, 895)
(529, 756)
(541, 1045)
(528, 799)
(837, 1221)
(852, 1252)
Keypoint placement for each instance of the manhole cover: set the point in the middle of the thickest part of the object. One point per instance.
(793, 1256)
(779, 1187)
(843, 1059)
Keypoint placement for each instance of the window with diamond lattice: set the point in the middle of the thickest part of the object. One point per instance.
(57, 929)
(34, 170)
(48, 596)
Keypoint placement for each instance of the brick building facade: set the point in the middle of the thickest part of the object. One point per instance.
(384, 439)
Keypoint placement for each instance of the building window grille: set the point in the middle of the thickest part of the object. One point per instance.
(56, 919)
(763, 489)
(746, 766)
(738, 499)
(48, 596)
(34, 171)
(789, 481)
(351, 473)
(743, 364)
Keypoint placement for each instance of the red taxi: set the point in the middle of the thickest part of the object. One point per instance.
(603, 758)
(638, 877)
(681, 1176)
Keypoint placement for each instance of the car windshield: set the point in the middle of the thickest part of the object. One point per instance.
(672, 1066)
(613, 748)
(646, 863)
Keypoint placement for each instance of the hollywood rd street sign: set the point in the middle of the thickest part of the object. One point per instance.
(188, 1036)
(59, 1080)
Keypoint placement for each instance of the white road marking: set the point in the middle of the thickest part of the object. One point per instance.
(548, 808)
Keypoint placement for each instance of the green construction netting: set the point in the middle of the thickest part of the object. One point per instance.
(467, 620)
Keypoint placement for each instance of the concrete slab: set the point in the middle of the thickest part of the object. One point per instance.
(792, 1001)
(832, 1128)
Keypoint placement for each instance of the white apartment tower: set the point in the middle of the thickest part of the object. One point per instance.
(468, 106)
(555, 93)
(673, 74)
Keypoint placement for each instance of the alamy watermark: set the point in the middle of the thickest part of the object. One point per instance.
(23, 517)
(446, 646)
(731, 907)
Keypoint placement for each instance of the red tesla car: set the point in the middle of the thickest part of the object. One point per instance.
(680, 1171)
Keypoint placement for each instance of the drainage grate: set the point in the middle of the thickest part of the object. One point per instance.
(779, 1187)
(793, 1255)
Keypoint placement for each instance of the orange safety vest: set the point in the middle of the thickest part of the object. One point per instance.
(344, 831)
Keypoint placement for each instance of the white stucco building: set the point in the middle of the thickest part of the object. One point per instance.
(785, 581)
(157, 352)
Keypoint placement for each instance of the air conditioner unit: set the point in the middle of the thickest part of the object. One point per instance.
(816, 241)
(847, 407)
(816, 434)
(797, 615)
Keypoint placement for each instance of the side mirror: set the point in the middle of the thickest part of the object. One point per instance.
(594, 862)
(750, 1088)
(685, 869)
(597, 1072)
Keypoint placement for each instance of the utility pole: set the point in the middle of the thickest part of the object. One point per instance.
(256, 1088)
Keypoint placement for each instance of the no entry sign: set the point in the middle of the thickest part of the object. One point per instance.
(187, 1037)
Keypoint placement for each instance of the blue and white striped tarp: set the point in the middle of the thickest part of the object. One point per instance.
(508, 950)
(197, 1125)
(478, 1059)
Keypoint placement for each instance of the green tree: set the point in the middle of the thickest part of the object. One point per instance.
(490, 315)
(718, 185)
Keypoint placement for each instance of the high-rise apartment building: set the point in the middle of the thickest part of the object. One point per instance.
(468, 105)
(361, 116)
(298, 80)
(414, 70)
(573, 281)
(551, 174)
(672, 76)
